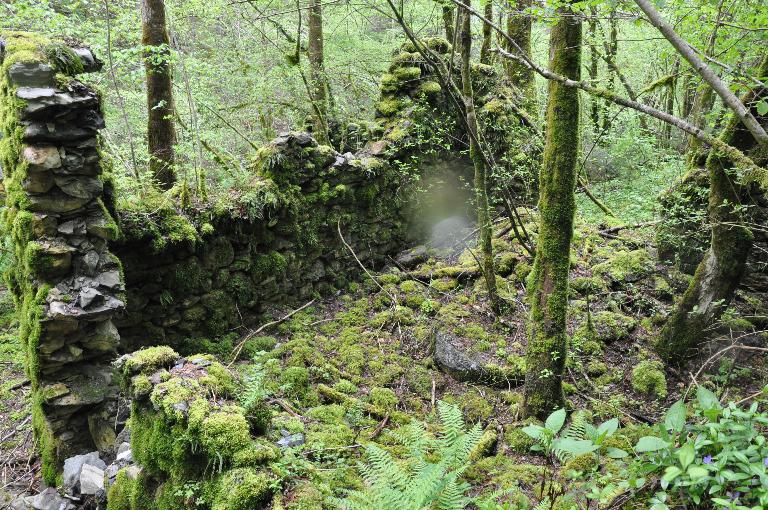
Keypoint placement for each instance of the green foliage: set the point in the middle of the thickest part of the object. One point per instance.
(648, 378)
(717, 458)
(421, 481)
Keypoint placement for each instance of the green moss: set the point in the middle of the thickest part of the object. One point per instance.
(306, 496)
(296, 381)
(383, 398)
(224, 433)
(648, 378)
(256, 454)
(119, 495)
(407, 73)
(625, 266)
(243, 489)
(149, 360)
(430, 88)
(345, 386)
(269, 264)
(444, 284)
(436, 44)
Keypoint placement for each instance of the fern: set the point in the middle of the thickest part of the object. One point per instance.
(417, 483)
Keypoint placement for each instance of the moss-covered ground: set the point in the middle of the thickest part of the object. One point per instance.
(350, 369)
(19, 467)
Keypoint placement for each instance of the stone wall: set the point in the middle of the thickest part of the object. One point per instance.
(288, 253)
(66, 283)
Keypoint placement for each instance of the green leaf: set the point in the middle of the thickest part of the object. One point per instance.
(650, 444)
(608, 427)
(686, 454)
(616, 453)
(707, 400)
(671, 473)
(533, 431)
(762, 107)
(555, 421)
(575, 446)
(675, 417)
(696, 472)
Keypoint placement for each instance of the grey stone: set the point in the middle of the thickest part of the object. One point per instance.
(56, 202)
(80, 187)
(32, 93)
(38, 182)
(109, 279)
(89, 296)
(56, 132)
(31, 74)
(413, 257)
(91, 479)
(290, 441)
(126, 456)
(41, 157)
(91, 261)
(460, 366)
(73, 466)
(49, 499)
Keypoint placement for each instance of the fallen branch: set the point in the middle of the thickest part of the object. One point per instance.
(239, 346)
(613, 230)
(379, 428)
(15, 430)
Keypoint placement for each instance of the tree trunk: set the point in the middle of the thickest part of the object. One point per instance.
(519, 30)
(485, 49)
(594, 102)
(546, 351)
(612, 49)
(670, 107)
(722, 268)
(319, 90)
(161, 132)
(448, 22)
(481, 187)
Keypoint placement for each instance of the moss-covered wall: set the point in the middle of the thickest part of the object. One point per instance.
(277, 241)
(287, 253)
(66, 284)
(196, 447)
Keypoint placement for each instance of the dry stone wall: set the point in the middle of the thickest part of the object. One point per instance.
(290, 254)
(66, 283)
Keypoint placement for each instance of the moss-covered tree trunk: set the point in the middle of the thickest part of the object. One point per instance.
(485, 49)
(448, 21)
(548, 284)
(519, 30)
(719, 273)
(594, 102)
(612, 49)
(319, 90)
(161, 132)
(481, 185)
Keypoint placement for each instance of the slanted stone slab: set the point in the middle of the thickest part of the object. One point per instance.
(31, 74)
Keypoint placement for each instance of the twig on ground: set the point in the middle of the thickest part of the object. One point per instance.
(341, 236)
(380, 427)
(239, 346)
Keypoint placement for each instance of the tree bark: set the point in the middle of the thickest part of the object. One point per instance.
(722, 268)
(161, 132)
(519, 30)
(685, 50)
(448, 22)
(319, 90)
(485, 49)
(475, 152)
(611, 49)
(671, 91)
(594, 106)
(546, 351)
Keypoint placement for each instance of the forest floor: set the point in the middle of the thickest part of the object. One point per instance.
(19, 465)
(347, 370)
(350, 369)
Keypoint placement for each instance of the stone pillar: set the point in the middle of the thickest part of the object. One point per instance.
(67, 285)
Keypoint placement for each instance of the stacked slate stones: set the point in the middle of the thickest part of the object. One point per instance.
(66, 284)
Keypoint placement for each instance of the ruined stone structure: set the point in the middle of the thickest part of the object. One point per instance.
(189, 274)
(66, 284)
